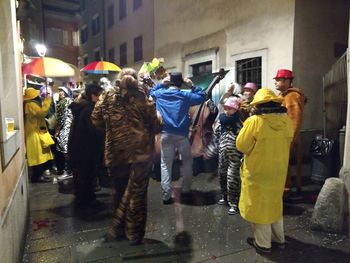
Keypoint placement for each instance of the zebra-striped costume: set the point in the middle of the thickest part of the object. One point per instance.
(229, 158)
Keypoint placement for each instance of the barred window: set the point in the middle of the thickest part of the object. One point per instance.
(249, 70)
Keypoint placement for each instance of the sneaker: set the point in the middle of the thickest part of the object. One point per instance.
(64, 176)
(251, 241)
(233, 210)
(47, 173)
(222, 201)
(168, 202)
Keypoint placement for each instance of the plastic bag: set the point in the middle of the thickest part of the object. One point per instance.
(321, 146)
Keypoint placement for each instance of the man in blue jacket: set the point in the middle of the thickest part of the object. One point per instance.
(173, 104)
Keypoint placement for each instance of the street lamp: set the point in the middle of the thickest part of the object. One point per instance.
(41, 49)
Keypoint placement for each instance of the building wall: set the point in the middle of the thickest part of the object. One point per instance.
(92, 7)
(13, 169)
(232, 29)
(139, 22)
(32, 26)
(68, 53)
(316, 32)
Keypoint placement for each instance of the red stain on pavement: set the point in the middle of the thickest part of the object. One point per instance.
(43, 223)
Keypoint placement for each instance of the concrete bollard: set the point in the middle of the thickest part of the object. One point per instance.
(330, 207)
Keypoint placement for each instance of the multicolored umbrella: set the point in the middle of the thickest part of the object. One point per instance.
(100, 67)
(48, 67)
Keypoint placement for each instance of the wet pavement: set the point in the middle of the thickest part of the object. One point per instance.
(192, 231)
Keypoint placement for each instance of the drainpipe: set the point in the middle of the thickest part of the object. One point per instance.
(103, 31)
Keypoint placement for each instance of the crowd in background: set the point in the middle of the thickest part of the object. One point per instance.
(75, 134)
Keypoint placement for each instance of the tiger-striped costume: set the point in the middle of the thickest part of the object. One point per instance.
(224, 145)
(131, 122)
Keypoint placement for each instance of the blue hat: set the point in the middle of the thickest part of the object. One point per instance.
(176, 79)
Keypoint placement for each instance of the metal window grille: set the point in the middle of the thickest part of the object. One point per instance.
(249, 70)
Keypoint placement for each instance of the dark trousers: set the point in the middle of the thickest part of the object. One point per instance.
(84, 178)
(38, 170)
(129, 184)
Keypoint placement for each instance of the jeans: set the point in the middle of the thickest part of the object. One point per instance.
(168, 144)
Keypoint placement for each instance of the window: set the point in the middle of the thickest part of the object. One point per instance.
(111, 55)
(202, 69)
(86, 60)
(76, 40)
(95, 25)
(57, 36)
(110, 16)
(97, 54)
(122, 9)
(123, 54)
(249, 70)
(84, 34)
(82, 5)
(137, 4)
(138, 54)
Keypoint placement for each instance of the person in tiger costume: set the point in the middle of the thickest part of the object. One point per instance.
(131, 122)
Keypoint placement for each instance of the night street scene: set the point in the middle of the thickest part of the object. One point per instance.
(174, 131)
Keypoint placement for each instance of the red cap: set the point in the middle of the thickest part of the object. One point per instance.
(284, 74)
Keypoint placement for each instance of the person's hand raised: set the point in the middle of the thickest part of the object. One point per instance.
(188, 82)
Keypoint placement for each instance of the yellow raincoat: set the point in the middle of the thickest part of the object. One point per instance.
(34, 115)
(265, 140)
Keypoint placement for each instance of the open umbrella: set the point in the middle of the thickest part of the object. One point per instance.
(100, 67)
(48, 67)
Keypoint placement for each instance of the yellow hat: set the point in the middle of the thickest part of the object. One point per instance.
(264, 95)
(30, 93)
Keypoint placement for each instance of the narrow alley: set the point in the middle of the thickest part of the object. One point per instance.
(196, 231)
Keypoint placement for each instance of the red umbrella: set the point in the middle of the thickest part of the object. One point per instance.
(48, 67)
(100, 67)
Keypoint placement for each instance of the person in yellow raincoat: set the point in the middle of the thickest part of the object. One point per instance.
(265, 141)
(35, 111)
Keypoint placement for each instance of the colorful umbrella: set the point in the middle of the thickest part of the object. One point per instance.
(48, 67)
(100, 67)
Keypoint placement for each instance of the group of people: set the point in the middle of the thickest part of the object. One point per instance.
(256, 136)
(121, 123)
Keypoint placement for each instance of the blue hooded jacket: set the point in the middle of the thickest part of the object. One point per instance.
(173, 104)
